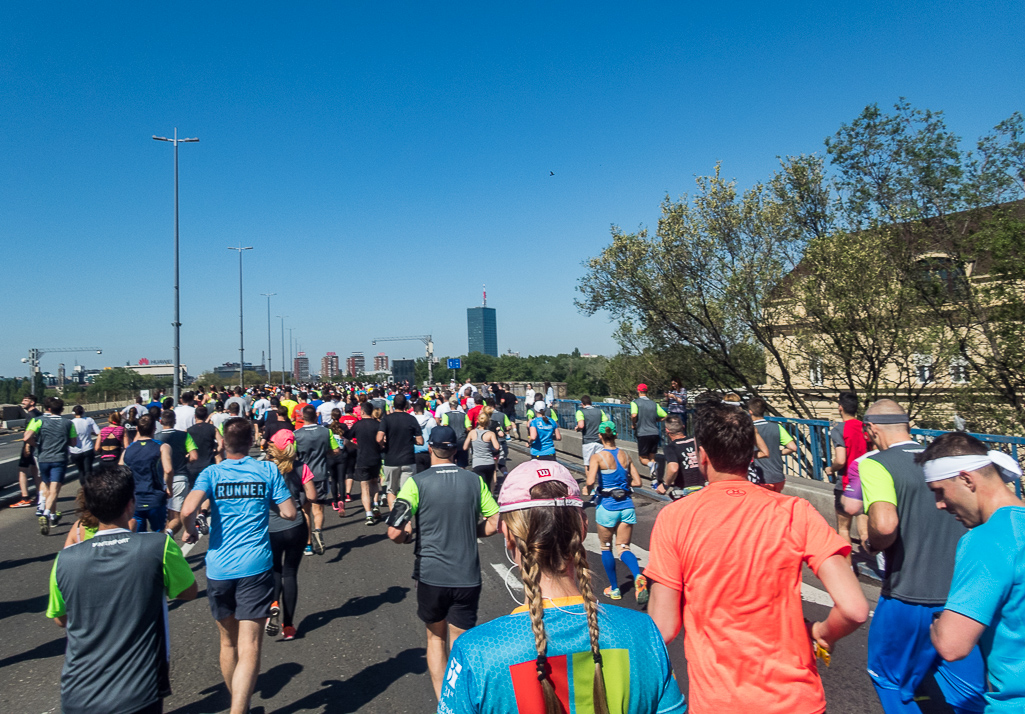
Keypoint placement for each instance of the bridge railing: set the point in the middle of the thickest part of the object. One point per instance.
(815, 449)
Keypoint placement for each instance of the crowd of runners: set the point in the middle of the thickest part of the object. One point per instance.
(258, 470)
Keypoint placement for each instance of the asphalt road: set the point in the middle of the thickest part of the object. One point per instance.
(360, 644)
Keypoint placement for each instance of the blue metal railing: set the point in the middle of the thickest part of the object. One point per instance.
(814, 452)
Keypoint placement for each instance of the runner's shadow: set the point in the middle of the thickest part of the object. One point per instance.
(175, 604)
(17, 607)
(217, 700)
(346, 547)
(7, 564)
(274, 679)
(362, 688)
(53, 648)
(353, 607)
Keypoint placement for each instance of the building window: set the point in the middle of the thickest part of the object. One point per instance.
(815, 374)
(941, 279)
(924, 369)
(959, 370)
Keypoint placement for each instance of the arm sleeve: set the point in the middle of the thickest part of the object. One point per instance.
(55, 605)
(72, 431)
(444, 419)
(488, 506)
(983, 578)
(579, 416)
(95, 427)
(410, 493)
(279, 492)
(665, 561)
(784, 436)
(466, 422)
(177, 573)
(34, 425)
(417, 429)
(876, 483)
(307, 474)
(836, 435)
(820, 541)
(190, 443)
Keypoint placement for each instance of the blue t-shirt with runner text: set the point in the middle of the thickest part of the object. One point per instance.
(241, 491)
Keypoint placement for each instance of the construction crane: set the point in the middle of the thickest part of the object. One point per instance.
(426, 339)
(36, 353)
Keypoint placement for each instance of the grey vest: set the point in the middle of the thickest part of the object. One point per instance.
(771, 467)
(446, 534)
(592, 420)
(313, 446)
(647, 417)
(52, 439)
(113, 589)
(920, 563)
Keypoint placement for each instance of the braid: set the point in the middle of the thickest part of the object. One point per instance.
(583, 575)
(531, 572)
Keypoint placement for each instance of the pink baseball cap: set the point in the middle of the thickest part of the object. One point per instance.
(282, 438)
(515, 493)
(642, 387)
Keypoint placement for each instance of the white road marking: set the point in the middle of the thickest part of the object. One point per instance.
(506, 573)
(810, 593)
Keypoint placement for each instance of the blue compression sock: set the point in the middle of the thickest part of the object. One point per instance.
(630, 560)
(609, 561)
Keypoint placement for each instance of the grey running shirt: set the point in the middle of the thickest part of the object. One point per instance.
(647, 417)
(313, 446)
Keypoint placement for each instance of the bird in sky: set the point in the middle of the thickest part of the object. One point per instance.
(551, 173)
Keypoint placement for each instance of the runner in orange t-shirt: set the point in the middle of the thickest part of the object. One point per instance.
(726, 564)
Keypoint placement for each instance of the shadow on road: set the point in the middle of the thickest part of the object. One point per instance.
(34, 605)
(216, 700)
(53, 648)
(353, 607)
(345, 547)
(361, 689)
(271, 682)
(7, 564)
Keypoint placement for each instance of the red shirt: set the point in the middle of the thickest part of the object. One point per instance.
(855, 444)
(472, 414)
(735, 550)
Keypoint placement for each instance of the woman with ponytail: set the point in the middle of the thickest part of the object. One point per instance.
(560, 651)
(543, 432)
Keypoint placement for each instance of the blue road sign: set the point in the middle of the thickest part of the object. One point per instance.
(455, 363)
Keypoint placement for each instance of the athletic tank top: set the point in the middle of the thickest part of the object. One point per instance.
(143, 458)
(481, 451)
(610, 479)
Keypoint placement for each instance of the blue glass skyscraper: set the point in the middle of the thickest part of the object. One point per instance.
(482, 330)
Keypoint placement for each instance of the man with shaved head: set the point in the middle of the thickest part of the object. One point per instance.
(920, 546)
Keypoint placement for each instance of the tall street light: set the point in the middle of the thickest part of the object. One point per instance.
(241, 339)
(177, 323)
(282, 347)
(270, 360)
(291, 354)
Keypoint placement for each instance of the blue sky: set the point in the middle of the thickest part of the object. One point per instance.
(386, 160)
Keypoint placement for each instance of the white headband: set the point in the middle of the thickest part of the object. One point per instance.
(951, 466)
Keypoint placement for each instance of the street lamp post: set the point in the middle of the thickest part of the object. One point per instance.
(291, 353)
(270, 360)
(282, 347)
(241, 339)
(177, 322)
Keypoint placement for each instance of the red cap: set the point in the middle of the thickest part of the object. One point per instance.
(642, 387)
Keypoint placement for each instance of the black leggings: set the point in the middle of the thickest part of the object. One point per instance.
(84, 462)
(287, 547)
(487, 473)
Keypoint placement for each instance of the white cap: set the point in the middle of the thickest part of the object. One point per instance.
(539, 405)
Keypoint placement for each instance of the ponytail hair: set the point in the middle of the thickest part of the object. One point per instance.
(484, 417)
(284, 459)
(549, 541)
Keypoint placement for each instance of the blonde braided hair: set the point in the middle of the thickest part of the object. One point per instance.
(553, 535)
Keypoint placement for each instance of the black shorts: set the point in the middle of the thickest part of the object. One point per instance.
(26, 461)
(367, 473)
(837, 503)
(246, 598)
(457, 606)
(648, 445)
(323, 487)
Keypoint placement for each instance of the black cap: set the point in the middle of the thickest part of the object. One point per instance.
(444, 437)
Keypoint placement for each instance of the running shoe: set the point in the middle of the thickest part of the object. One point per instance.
(56, 518)
(612, 593)
(44, 525)
(334, 505)
(308, 551)
(318, 542)
(371, 521)
(273, 627)
(348, 497)
(23, 503)
(39, 511)
(641, 590)
(288, 634)
(377, 513)
(201, 524)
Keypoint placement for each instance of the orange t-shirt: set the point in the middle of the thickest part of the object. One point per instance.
(735, 551)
